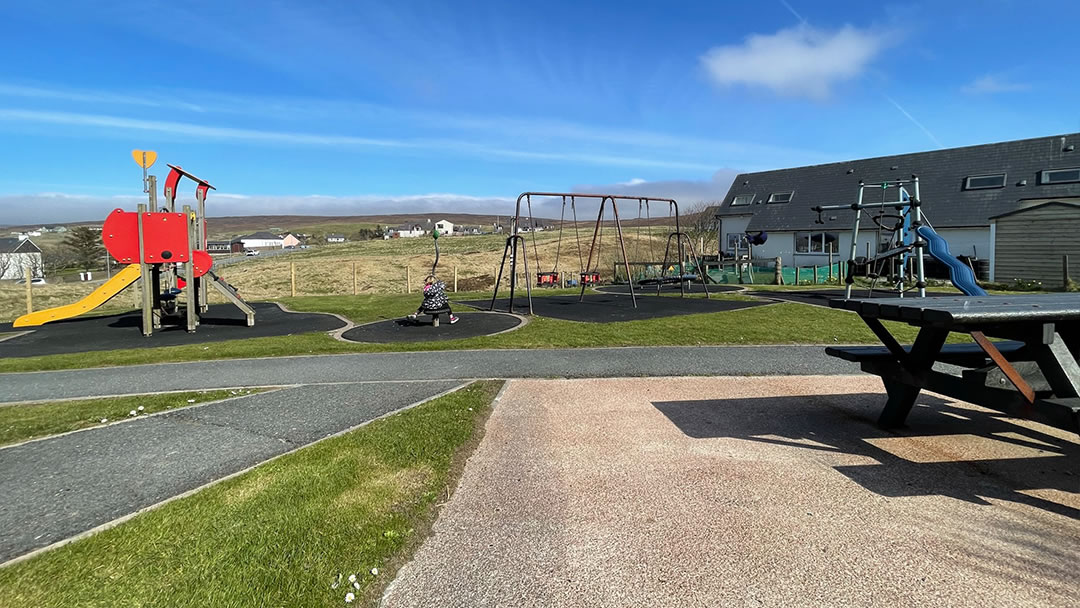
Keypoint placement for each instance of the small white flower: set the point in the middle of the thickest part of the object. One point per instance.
(349, 597)
(132, 413)
(352, 578)
(141, 408)
(191, 401)
(356, 586)
(375, 572)
(104, 420)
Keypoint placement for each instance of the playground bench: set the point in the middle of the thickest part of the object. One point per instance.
(1033, 374)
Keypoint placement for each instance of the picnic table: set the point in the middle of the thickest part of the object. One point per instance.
(1032, 372)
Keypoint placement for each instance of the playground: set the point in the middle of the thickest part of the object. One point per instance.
(760, 467)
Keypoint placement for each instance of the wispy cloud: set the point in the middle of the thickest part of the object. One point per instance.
(918, 124)
(993, 83)
(803, 61)
(316, 139)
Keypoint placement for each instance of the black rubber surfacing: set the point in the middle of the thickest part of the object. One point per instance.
(221, 322)
(612, 308)
(469, 325)
(671, 288)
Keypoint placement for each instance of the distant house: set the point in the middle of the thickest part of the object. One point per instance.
(468, 229)
(218, 247)
(56, 229)
(444, 227)
(16, 255)
(335, 238)
(291, 240)
(262, 240)
(406, 231)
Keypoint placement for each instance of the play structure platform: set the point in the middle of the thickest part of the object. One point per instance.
(163, 250)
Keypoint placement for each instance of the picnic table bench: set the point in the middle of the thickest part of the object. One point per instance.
(1032, 373)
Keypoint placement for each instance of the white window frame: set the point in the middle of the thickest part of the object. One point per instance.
(790, 193)
(809, 235)
(735, 201)
(1044, 177)
(1004, 180)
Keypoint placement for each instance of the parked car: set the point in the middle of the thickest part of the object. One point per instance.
(251, 252)
(33, 281)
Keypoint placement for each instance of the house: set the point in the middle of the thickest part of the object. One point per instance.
(16, 255)
(335, 238)
(261, 240)
(961, 189)
(218, 247)
(1030, 244)
(291, 240)
(406, 231)
(444, 227)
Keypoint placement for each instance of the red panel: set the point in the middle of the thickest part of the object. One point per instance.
(203, 263)
(164, 236)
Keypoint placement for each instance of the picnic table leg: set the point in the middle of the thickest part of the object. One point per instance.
(902, 396)
(1060, 367)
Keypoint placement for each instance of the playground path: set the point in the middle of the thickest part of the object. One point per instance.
(468, 364)
(59, 487)
(751, 492)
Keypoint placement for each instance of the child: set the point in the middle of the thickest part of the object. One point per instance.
(434, 298)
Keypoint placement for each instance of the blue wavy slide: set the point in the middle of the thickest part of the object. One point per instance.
(959, 273)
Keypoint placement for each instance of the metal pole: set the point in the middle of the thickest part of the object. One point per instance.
(144, 274)
(622, 246)
(498, 278)
(29, 290)
(679, 250)
(850, 279)
(916, 204)
(596, 232)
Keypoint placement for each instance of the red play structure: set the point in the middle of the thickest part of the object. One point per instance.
(165, 249)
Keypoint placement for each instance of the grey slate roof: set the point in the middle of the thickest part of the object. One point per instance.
(941, 176)
(262, 235)
(15, 245)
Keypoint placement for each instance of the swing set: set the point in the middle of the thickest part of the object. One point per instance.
(680, 273)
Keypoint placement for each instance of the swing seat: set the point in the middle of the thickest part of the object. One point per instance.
(590, 278)
(547, 279)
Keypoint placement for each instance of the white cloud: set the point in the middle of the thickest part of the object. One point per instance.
(992, 83)
(53, 207)
(802, 61)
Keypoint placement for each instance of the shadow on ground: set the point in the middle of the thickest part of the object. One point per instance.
(960, 441)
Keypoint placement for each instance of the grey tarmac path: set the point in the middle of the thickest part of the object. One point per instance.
(56, 488)
(751, 492)
(436, 365)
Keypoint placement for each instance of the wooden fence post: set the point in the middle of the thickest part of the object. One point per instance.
(1065, 270)
(778, 278)
(830, 262)
(29, 290)
(408, 280)
(292, 278)
(455, 279)
(355, 291)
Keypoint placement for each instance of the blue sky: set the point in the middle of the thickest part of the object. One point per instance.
(361, 107)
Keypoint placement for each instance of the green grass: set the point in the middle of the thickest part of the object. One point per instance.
(31, 420)
(784, 323)
(280, 534)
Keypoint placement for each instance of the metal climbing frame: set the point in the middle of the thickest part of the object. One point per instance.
(913, 205)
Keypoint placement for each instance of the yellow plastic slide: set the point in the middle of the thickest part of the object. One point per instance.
(99, 296)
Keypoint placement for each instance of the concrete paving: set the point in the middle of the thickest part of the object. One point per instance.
(540, 363)
(749, 491)
(58, 487)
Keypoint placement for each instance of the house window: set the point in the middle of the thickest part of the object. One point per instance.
(815, 242)
(781, 197)
(1059, 176)
(981, 182)
(742, 199)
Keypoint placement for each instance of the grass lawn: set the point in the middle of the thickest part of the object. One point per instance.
(784, 323)
(287, 533)
(29, 420)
